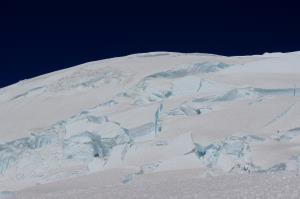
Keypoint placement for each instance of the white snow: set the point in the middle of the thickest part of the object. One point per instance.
(155, 125)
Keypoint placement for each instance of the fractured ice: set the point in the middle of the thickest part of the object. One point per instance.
(233, 154)
(197, 68)
(11, 151)
(93, 136)
(176, 82)
(82, 137)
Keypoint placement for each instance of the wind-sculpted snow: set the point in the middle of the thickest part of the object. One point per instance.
(152, 113)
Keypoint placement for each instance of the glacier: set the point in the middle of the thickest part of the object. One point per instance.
(152, 114)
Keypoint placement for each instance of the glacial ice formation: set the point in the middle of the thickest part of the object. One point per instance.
(177, 82)
(82, 137)
(234, 155)
(227, 154)
(197, 113)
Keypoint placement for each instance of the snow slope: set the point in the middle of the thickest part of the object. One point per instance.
(153, 114)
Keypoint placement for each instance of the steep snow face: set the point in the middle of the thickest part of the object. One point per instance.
(152, 112)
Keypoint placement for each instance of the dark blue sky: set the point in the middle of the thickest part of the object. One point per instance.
(40, 38)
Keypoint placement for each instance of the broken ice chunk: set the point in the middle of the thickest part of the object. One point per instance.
(140, 131)
(189, 111)
(86, 146)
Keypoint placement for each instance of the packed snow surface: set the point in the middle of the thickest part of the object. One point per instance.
(155, 125)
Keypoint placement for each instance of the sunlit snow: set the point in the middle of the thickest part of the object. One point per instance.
(153, 115)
